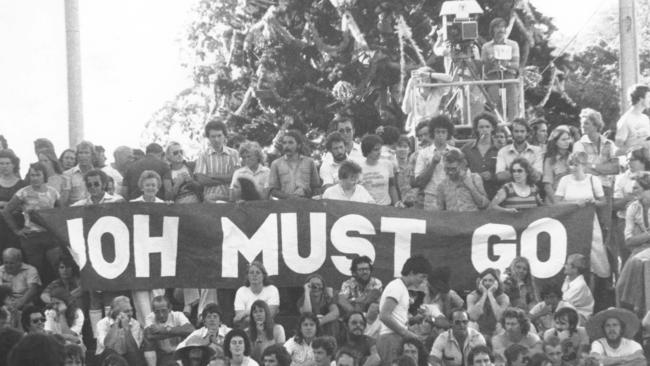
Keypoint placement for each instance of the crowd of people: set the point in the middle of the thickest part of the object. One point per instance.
(416, 319)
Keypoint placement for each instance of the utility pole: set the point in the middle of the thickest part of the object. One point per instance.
(629, 55)
(73, 48)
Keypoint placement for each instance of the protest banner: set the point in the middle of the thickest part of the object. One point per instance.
(143, 245)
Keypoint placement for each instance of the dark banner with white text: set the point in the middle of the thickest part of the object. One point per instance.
(148, 245)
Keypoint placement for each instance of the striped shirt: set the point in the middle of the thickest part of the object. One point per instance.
(513, 200)
(212, 163)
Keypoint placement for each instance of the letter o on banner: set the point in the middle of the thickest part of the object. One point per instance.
(117, 229)
(558, 247)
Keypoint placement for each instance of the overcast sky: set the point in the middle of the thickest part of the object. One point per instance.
(130, 65)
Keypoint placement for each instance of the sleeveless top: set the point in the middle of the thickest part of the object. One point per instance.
(513, 200)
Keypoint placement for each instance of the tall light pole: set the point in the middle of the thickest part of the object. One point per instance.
(629, 55)
(73, 48)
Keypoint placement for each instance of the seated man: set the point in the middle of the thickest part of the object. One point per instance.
(516, 355)
(345, 357)
(480, 356)
(357, 341)
(541, 315)
(21, 277)
(613, 330)
(324, 348)
(516, 331)
(447, 349)
(553, 349)
(358, 292)
(120, 332)
(33, 319)
(213, 330)
(276, 355)
(164, 330)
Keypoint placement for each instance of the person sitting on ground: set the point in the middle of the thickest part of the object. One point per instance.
(164, 330)
(318, 299)
(362, 289)
(575, 290)
(515, 355)
(439, 298)
(262, 330)
(194, 351)
(461, 190)
(486, 304)
(64, 316)
(213, 331)
(541, 315)
(276, 355)
(237, 349)
(574, 338)
(480, 356)
(37, 349)
(257, 287)
(32, 319)
(519, 284)
(517, 331)
(553, 350)
(355, 339)
(613, 331)
(447, 349)
(324, 348)
(413, 348)
(120, 332)
(347, 187)
(299, 346)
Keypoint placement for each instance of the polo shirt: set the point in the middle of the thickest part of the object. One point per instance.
(450, 353)
(19, 283)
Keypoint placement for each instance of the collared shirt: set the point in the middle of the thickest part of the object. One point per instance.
(633, 128)
(77, 185)
(295, 177)
(174, 319)
(425, 156)
(356, 292)
(106, 198)
(19, 283)
(212, 163)
(448, 351)
(601, 153)
(259, 177)
(104, 326)
(623, 186)
(508, 154)
(578, 294)
(455, 196)
(478, 163)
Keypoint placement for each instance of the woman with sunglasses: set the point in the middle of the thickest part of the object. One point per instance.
(582, 188)
(184, 187)
(318, 299)
(521, 193)
(556, 165)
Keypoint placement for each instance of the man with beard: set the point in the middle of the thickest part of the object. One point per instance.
(520, 148)
(293, 175)
(356, 340)
(345, 127)
(329, 170)
(362, 289)
(613, 330)
(462, 190)
(517, 331)
(453, 346)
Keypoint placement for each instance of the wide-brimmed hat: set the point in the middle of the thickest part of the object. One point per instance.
(595, 324)
(192, 342)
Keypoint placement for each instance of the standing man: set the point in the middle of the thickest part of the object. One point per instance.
(613, 330)
(293, 175)
(424, 140)
(394, 304)
(462, 190)
(345, 126)
(216, 164)
(429, 168)
(520, 148)
(452, 347)
(164, 330)
(123, 155)
(153, 160)
(329, 170)
(633, 128)
(85, 156)
(358, 292)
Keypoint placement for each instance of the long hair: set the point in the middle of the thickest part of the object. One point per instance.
(56, 165)
(299, 338)
(528, 279)
(552, 150)
(525, 165)
(571, 316)
(260, 266)
(495, 274)
(268, 321)
(232, 334)
(422, 354)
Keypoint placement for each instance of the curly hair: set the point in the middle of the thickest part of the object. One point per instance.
(525, 165)
(232, 334)
(422, 354)
(520, 315)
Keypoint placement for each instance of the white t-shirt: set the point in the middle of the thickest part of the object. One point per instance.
(360, 194)
(633, 129)
(396, 290)
(374, 178)
(573, 190)
(329, 172)
(626, 348)
(244, 298)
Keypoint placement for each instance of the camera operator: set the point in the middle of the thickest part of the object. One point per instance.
(498, 67)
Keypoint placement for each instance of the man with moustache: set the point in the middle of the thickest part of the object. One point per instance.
(517, 331)
(329, 170)
(613, 330)
(293, 175)
(453, 346)
(356, 340)
(344, 125)
(358, 292)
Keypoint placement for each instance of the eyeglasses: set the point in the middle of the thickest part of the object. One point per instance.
(93, 184)
(177, 152)
(517, 170)
(38, 320)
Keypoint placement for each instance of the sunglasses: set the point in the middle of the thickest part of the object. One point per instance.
(38, 320)
(517, 170)
(93, 184)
